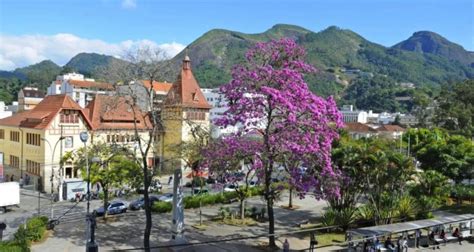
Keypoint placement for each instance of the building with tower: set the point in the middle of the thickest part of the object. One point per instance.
(184, 110)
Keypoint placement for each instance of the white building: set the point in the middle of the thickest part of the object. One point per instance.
(219, 106)
(351, 115)
(3, 112)
(82, 90)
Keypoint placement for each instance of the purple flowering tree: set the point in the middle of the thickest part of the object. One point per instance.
(268, 92)
(225, 157)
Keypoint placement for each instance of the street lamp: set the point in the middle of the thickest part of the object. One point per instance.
(91, 246)
(53, 150)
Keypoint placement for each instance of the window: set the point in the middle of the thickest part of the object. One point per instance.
(15, 136)
(14, 161)
(196, 114)
(33, 139)
(69, 116)
(2, 134)
(33, 167)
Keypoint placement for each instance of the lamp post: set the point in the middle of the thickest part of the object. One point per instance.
(53, 150)
(91, 246)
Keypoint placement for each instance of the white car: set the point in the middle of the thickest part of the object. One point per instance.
(167, 197)
(230, 188)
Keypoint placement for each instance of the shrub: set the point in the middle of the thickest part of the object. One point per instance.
(36, 228)
(192, 201)
(329, 218)
(407, 207)
(12, 246)
(161, 207)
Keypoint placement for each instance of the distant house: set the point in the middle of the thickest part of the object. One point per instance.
(28, 98)
(390, 131)
(3, 112)
(359, 130)
(351, 115)
(82, 90)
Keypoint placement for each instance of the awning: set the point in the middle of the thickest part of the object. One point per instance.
(197, 174)
(409, 226)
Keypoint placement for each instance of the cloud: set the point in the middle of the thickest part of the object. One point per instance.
(129, 4)
(23, 50)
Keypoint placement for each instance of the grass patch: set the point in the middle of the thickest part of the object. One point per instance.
(325, 239)
(294, 207)
(200, 227)
(239, 222)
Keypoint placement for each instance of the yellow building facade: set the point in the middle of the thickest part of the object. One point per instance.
(184, 108)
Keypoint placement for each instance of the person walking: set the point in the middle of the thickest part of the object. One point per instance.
(405, 244)
(417, 238)
(286, 246)
(170, 179)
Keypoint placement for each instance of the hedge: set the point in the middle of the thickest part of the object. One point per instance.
(33, 230)
(205, 199)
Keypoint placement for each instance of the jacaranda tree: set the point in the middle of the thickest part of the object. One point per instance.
(268, 92)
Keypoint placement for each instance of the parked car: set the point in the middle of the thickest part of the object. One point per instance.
(167, 197)
(198, 191)
(230, 188)
(140, 203)
(114, 207)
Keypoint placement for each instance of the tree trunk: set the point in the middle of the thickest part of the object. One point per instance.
(271, 224)
(106, 199)
(242, 209)
(146, 235)
(290, 201)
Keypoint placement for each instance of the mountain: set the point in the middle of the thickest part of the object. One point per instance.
(430, 42)
(341, 56)
(332, 51)
(40, 74)
(89, 63)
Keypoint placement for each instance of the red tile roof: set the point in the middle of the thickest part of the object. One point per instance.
(391, 128)
(109, 112)
(358, 127)
(186, 92)
(158, 86)
(41, 116)
(91, 84)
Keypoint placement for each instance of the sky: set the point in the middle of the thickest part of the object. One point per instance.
(35, 30)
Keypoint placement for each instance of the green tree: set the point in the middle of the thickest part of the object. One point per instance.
(116, 167)
(431, 191)
(456, 108)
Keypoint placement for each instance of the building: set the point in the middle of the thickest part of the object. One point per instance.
(140, 90)
(390, 131)
(28, 98)
(81, 89)
(3, 111)
(219, 106)
(33, 141)
(185, 108)
(351, 115)
(113, 122)
(359, 130)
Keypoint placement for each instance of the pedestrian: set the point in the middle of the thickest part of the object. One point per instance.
(417, 238)
(170, 179)
(442, 236)
(457, 234)
(12, 178)
(21, 181)
(388, 244)
(312, 242)
(399, 243)
(27, 179)
(431, 237)
(286, 246)
(405, 244)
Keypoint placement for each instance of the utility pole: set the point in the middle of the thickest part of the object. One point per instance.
(91, 246)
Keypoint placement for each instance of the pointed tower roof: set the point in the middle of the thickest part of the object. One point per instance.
(185, 91)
